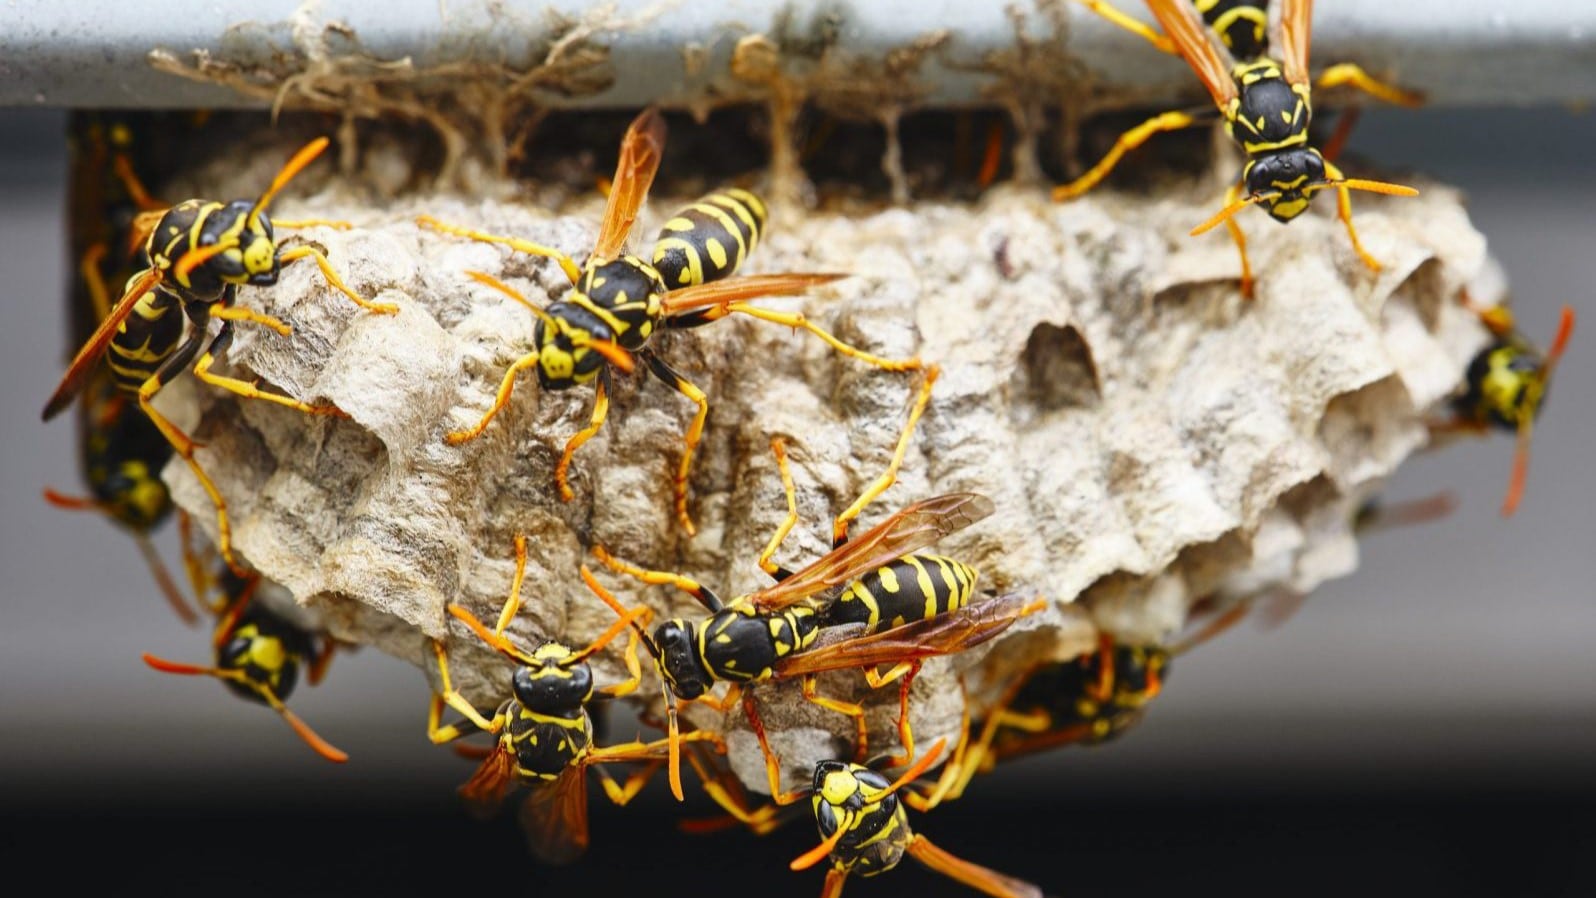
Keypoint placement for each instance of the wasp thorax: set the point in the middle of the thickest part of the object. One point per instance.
(554, 683)
(629, 289)
(679, 662)
(1288, 178)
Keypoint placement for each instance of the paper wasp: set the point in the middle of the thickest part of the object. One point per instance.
(618, 302)
(779, 633)
(258, 655)
(1084, 701)
(1266, 106)
(864, 830)
(200, 252)
(1506, 384)
(120, 450)
(544, 734)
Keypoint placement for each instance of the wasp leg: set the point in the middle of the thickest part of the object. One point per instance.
(772, 763)
(202, 370)
(328, 272)
(455, 700)
(695, 431)
(1160, 42)
(163, 580)
(649, 752)
(506, 386)
(194, 566)
(992, 158)
(123, 167)
(521, 246)
(702, 593)
(839, 531)
(797, 320)
(861, 739)
(601, 410)
(238, 313)
(1349, 75)
(904, 672)
(836, 877)
(299, 223)
(778, 446)
(1231, 196)
(1497, 319)
(93, 281)
(1338, 138)
(512, 602)
(184, 446)
(973, 875)
(1130, 140)
(1344, 212)
(724, 790)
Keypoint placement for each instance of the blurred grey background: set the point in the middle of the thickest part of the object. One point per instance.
(1458, 658)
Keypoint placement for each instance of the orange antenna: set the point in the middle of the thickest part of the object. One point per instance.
(612, 352)
(1373, 187)
(319, 745)
(306, 155)
(1225, 214)
(194, 258)
(1526, 424)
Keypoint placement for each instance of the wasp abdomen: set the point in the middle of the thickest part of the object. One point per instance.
(914, 587)
(709, 239)
(1242, 25)
(144, 339)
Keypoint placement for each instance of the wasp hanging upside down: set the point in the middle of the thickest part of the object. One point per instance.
(1507, 382)
(258, 655)
(1263, 94)
(865, 830)
(618, 302)
(200, 252)
(545, 736)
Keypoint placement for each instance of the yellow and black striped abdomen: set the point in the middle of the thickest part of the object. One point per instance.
(709, 239)
(914, 587)
(1242, 25)
(145, 339)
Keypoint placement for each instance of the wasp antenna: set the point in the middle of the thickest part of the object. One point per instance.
(1565, 329)
(1224, 214)
(1374, 187)
(613, 353)
(921, 766)
(673, 739)
(194, 258)
(304, 157)
(818, 853)
(1521, 457)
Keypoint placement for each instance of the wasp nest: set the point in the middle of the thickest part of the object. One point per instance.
(1148, 438)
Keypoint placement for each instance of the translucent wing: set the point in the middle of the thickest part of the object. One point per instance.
(1290, 30)
(486, 788)
(736, 289)
(944, 634)
(634, 173)
(554, 817)
(1198, 46)
(77, 374)
(915, 527)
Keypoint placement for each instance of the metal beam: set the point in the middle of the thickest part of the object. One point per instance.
(96, 53)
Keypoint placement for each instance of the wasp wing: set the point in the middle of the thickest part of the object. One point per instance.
(944, 634)
(730, 290)
(1199, 47)
(914, 527)
(1290, 31)
(77, 374)
(486, 788)
(641, 149)
(554, 817)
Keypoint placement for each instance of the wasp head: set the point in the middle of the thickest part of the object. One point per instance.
(679, 663)
(1286, 180)
(251, 254)
(553, 682)
(565, 358)
(136, 495)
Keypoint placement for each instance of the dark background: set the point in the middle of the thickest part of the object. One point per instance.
(1425, 726)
